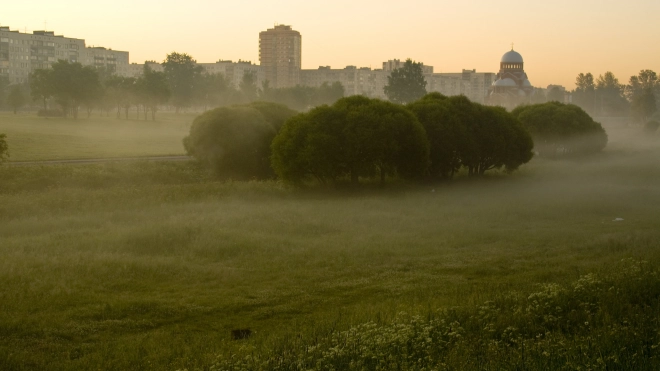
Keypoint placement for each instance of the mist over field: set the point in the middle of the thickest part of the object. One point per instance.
(141, 265)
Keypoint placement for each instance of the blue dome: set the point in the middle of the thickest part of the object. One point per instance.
(512, 57)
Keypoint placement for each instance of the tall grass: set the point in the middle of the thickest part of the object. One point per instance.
(598, 322)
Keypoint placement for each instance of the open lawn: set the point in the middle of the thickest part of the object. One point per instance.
(33, 138)
(141, 266)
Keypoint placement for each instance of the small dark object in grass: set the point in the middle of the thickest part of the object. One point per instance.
(242, 333)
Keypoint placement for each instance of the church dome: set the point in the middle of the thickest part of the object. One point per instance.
(512, 57)
(505, 82)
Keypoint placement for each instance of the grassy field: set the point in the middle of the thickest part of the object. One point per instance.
(33, 138)
(149, 266)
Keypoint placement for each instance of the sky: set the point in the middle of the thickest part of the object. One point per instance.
(557, 39)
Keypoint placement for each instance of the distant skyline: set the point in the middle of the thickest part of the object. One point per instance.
(557, 39)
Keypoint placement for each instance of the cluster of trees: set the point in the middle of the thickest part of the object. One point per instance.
(72, 86)
(182, 84)
(462, 133)
(559, 128)
(606, 96)
(360, 138)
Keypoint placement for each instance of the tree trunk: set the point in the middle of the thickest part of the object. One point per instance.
(153, 113)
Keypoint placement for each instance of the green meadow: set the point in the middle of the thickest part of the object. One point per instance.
(150, 266)
(35, 138)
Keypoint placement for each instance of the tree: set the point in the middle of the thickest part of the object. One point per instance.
(559, 128)
(643, 105)
(463, 133)
(357, 137)
(445, 133)
(41, 85)
(274, 113)
(4, 148)
(182, 72)
(501, 141)
(610, 99)
(303, 97)
(153, 89)
(584, 93)
(641, 91)
(555, 94)
(214, 90)
(248, 86)
(406, 84)
(70, 84)
(234, 141)
(538, 96)
(16, 98)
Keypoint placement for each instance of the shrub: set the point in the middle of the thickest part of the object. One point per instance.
(234, 141)
(559, 128)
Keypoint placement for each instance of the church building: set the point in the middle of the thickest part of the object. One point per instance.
(511, 87)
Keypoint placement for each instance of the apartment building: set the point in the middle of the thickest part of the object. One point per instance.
(234, 71)
(113, 60)
(21, 53)
(474, 85)
(280, 56)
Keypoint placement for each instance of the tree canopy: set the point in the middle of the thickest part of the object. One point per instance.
(181, 71)
(559, 128)
(355, 138)
(406, 84)
(70, 84)
(463, 133)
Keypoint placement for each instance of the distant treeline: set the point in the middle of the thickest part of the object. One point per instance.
(605, 96)
(66, 88)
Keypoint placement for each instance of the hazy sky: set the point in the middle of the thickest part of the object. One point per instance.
(558, 39)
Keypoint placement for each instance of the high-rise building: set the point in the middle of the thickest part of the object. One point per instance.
(280, 56)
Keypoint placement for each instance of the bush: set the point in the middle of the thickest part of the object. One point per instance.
(357, 137)
(651, 127)
(234, 141)
(559, 128)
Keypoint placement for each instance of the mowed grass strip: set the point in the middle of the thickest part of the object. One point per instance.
(151, 265)
(32, 138)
